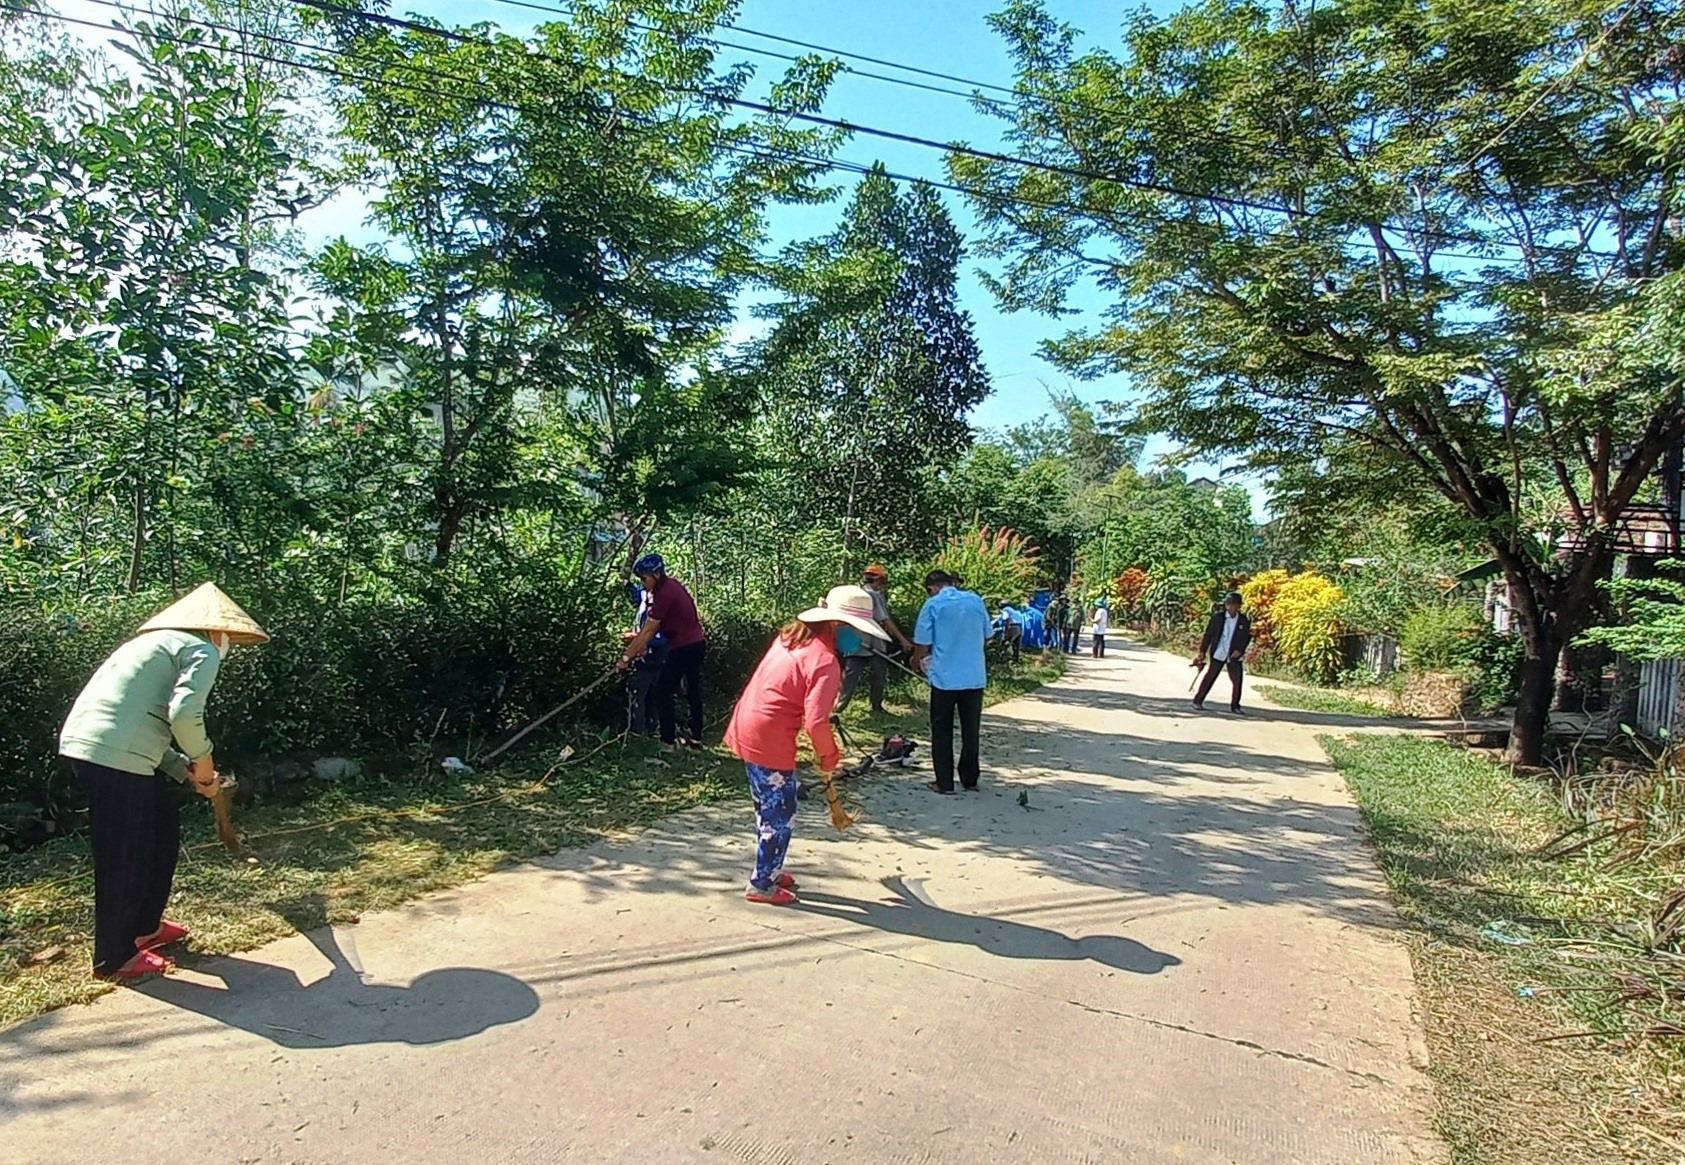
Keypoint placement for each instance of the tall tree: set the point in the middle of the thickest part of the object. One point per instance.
(573, 217)
(872, 368)
(1445, 233)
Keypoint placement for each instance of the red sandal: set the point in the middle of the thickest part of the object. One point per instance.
(771, 896)
(168, 932)
(143, 964)
(787, 881)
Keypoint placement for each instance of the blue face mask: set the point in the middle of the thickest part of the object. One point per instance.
(848, 640)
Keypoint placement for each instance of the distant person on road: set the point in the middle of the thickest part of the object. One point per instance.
(672, 613)
(1053, 622)
(1073, 625)
(949, 639)
(868, 656)
(1102, 621)
(1228, 633)
(140, 717)
(794, 688)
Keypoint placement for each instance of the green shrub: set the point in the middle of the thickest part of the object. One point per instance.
(1440, 637)
(375, 677)
(1495, 679)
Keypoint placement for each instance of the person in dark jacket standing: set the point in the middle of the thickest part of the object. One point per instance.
(1228, 633)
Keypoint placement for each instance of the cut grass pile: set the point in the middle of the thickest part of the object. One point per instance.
(373, 844)
(1320, 700)
(1541, 996)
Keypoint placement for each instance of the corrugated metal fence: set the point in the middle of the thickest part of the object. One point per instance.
(1659, 692)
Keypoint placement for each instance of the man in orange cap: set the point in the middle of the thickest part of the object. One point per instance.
(140, 716)
(875, 579)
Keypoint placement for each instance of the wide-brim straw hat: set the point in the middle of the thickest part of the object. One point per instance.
(851, 605)
(208, 609)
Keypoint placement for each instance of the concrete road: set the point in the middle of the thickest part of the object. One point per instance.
(1178, 951)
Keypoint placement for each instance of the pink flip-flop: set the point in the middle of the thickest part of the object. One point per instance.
(168, 932)
(143, 964)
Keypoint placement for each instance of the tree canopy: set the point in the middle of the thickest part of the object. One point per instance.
(1439, 237)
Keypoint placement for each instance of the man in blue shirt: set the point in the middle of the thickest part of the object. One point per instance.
(948, 645)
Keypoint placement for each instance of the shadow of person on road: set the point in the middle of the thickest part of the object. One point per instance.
(912, 913)
(345, 1008)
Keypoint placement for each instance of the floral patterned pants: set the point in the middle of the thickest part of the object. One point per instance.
(775, 809)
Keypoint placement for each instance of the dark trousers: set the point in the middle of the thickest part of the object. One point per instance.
(1099, 645)
(1015, 644)
(684, 665)
(943, 704)
(642, 715)
(854, 666)
(136, 832)
(1072, 635)
(1236, 671)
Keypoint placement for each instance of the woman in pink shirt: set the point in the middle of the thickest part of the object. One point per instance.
(794, 688)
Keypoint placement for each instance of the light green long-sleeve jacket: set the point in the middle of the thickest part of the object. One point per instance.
(150, 690)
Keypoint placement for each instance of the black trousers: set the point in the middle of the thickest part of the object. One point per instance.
(642, 716)
(684, 665)
(968, 703)
(1099, 645)
(854, 666)
(136, 831)
(1072, 636)
(1236, 671)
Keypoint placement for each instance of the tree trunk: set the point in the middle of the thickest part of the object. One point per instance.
(137, 547)
(846, 566)
(450, 524)
(1532, 708)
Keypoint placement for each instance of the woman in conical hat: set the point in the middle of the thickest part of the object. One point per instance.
(140, 716)
(795, 687)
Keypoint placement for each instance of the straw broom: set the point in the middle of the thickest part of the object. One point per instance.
(840, 820)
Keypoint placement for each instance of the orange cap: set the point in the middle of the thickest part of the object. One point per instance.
(874, 569)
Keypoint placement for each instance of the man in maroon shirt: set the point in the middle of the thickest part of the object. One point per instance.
(672, 612)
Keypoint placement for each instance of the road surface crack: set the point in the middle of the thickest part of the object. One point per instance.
(1167, 1025)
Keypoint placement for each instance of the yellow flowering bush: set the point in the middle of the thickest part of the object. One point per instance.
(1305, 619)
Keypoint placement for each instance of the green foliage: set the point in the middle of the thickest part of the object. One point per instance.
(1305, 615)
(1653, 624)
(1376, 244)
(1495, 679)
(870, 371)
(1440, 636)
(1169, 526)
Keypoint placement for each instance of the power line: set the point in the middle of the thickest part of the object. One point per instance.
(480, 98)
(1567, 75)
(1001, 107)
(846, 126)
(950, 148)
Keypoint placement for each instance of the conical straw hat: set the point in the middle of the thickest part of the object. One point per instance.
(208, 609)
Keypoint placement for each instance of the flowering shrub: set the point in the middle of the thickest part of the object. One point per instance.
(1258, 595)
(1130, 587)
(1305, 615)
(996, 563)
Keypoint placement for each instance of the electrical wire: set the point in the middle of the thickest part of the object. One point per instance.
(771, 154)
(947, 148)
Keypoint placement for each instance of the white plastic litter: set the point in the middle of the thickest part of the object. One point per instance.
(455, 764)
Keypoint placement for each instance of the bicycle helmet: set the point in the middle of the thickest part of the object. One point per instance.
(650, 564)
